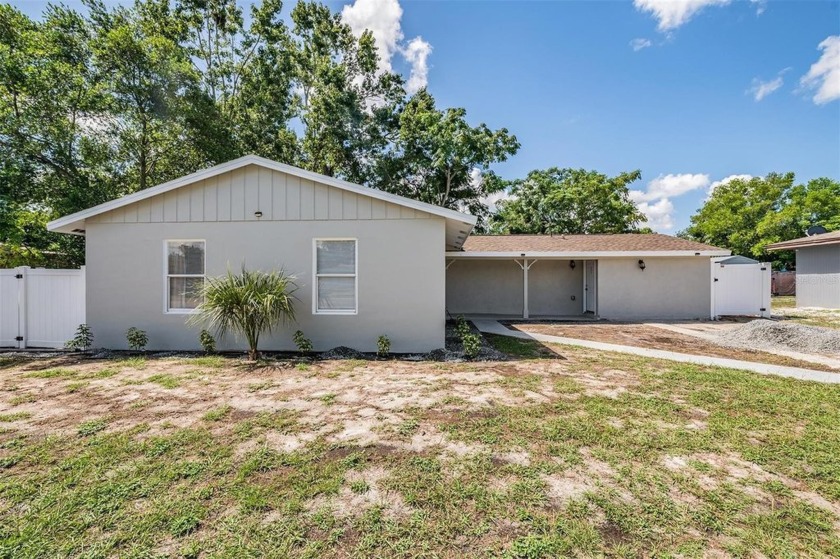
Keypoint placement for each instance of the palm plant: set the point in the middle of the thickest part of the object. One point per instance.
(248, 303)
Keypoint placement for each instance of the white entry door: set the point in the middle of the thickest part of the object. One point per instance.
(590, 286)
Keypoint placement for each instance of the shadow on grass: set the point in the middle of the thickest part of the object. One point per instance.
(522, 349)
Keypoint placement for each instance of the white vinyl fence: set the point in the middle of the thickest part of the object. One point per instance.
(40, 308)
(740, 289)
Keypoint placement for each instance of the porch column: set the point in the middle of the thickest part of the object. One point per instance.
(525, 265)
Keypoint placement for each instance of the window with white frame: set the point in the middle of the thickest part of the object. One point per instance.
(184, 275)
(335, 276)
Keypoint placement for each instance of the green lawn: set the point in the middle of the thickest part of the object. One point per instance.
(581, 454)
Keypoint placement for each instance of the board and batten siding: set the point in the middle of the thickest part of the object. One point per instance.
(818, 277)
(239, 194)
(401, 277)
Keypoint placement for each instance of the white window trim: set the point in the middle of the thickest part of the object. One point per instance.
(315, 276)
(167, 275)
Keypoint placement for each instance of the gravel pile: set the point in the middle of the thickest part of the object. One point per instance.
(768, 334)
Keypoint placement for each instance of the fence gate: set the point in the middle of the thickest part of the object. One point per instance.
(39, 307)
(740, 289)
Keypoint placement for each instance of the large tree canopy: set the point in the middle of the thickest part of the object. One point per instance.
(98, 103)
(569, 201)
(747, 215)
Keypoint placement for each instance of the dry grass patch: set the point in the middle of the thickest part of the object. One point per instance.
(579, 453)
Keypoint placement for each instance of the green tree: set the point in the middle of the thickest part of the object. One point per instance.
(151, 86)
(340, 92)
(439, 158)
(50, 161)
(747, 215)
(245, 71)
(569, 201)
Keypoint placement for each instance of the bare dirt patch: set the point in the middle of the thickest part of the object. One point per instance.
(640, 335)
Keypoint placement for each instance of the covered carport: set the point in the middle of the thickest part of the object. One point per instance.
(516, 287)
(620, 277)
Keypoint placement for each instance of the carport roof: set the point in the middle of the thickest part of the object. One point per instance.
(626, 244)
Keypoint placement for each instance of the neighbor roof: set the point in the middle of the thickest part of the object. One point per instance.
(458, 225)
(628, 244)
(832, 238)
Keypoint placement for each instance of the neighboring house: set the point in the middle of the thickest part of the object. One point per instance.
(817, 269)
(367, 262)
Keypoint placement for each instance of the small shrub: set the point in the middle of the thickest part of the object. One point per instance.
(207, 341)
(471, 344)
(462, 327)
(82, 340)
(91, 427)
(137, 339)
(383, 346)
(303, 343)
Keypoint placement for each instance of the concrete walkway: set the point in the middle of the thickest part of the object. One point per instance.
(495, 327)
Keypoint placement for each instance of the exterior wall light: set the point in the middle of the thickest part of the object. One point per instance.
(642, 265)
(572, 264)
(258, 214)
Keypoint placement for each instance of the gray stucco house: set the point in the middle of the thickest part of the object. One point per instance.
(367, 262)
(817, 269)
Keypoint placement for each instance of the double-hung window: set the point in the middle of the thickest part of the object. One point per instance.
(335, 277)
(184, 275)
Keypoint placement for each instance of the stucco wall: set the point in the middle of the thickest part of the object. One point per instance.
(818, 277)
(495, 287)
(400, 279)
(668, 288)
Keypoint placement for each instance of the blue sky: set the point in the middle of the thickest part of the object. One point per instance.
(690, 92)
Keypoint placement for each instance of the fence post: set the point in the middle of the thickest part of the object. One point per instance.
(21, 272)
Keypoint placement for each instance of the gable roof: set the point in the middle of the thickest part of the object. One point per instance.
(832, 238)
(458, 225)
(626, 244)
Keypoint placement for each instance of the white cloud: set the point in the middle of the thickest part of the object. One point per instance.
(669, 186)
(727, 180)
(760, 6)
(824, 74)
(660, 215)
(639, 44)
(655, 200)
(417, 54)
(383, 19)
(673, 13)
(760, 89)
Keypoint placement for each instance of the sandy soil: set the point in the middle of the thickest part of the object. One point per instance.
(350, 403)
(642, 335)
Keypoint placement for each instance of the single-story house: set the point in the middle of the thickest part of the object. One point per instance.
(817, 269)
(367, 262)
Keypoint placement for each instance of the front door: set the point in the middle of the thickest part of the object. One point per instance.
(590, 286)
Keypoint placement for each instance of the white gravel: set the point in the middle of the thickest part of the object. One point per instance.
(769, 335)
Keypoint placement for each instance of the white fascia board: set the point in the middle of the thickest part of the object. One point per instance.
(66, 224)
(589, 254)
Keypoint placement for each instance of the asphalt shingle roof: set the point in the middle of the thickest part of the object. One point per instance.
(630, 242)
(814, 240)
